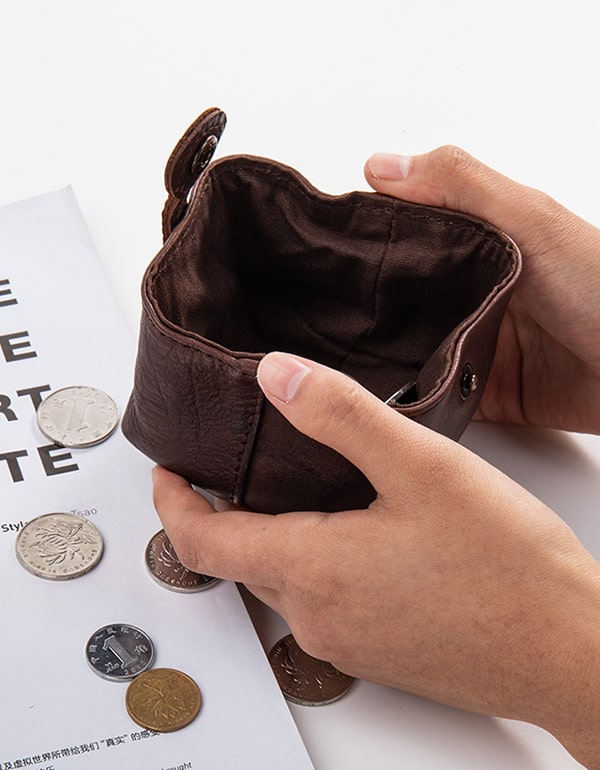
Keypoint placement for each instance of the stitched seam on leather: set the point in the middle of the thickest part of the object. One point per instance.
(240, 441)
(315, 197)
(216, 356)
(248, 446)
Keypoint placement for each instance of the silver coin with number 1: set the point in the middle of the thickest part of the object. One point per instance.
(78, 416)
(119, 651)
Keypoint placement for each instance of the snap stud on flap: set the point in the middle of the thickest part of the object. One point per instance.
(203, 157)
(469, 381)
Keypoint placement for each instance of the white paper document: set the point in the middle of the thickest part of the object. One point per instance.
(60, 326)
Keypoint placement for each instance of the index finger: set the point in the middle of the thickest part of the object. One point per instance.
(233, 545)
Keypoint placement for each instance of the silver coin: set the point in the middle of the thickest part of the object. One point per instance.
(119, 652)
(78, 416)
(164, 566)
(59, 546)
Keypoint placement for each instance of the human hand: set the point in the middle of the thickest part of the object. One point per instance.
(547, 365)
(455, 584)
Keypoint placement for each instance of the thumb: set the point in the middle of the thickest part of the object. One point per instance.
(336, 411)
(449, 177)
(560, 250)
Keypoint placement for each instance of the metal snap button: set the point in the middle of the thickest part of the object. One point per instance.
(469, 381)
(202, 157)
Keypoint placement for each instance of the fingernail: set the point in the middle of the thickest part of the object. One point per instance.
(279, 375)
(384, 165)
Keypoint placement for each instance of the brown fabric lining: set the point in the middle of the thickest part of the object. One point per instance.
(365, 284)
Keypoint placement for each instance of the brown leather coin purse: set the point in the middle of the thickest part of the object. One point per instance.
(406, 299)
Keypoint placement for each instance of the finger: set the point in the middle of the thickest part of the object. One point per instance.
(338, 412)
(233, 545)
(451, 178)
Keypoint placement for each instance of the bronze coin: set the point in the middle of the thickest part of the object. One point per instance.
(165, 567)
(304, 679)
(163, 699)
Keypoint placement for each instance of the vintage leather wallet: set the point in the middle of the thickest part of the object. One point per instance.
(406, 299)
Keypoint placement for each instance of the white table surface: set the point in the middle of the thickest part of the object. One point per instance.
(95, 95)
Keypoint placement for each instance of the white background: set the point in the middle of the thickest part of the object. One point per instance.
(96, 94)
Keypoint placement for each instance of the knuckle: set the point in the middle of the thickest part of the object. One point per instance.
(548, 210)
(452, 159)
(341, 405)
(457, 174)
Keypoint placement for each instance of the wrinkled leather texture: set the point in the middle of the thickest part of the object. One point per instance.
(256, 259)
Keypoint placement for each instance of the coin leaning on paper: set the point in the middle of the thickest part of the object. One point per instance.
(78, 416)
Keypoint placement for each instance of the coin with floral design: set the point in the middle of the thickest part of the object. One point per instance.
(59, 546)
(164, 566)
(303, 679)
(163, 699)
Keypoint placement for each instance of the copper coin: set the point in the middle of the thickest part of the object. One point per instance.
(304, 679)
(166, 569)
(59, 546)
(163, 699)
